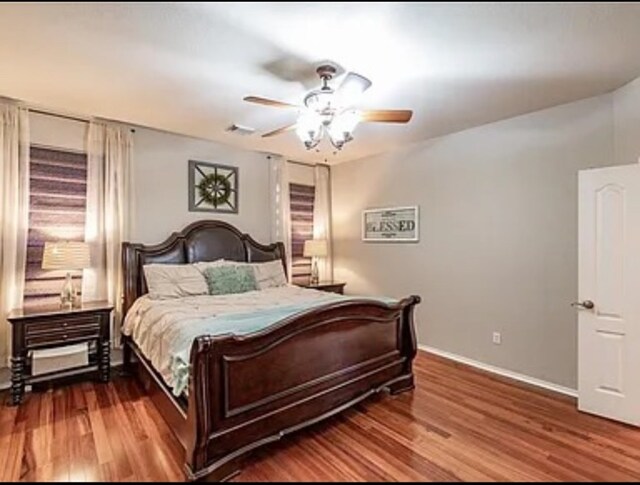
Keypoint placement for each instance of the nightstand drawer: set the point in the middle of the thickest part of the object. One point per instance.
(37, 328)
(62, 337)
(61, 330)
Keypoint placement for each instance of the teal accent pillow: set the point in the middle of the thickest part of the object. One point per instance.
(224, 280)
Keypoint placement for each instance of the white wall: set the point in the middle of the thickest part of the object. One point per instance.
(58, 132)
(498, 248)
(161, 185)
(301, 174)
(626, 109)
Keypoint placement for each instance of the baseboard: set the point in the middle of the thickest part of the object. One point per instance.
(501, 372)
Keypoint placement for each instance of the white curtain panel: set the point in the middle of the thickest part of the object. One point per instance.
(280, 205)
(14, 213)
(322, 219)
(109, 207)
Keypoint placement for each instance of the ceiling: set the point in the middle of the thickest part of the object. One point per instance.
(185, 67)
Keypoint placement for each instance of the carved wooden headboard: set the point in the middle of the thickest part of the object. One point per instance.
(205, 240)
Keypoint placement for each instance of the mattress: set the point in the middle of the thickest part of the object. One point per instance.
(164, 330)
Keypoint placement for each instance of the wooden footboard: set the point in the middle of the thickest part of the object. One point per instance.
(245, 392)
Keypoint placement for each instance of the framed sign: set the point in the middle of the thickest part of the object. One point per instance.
(394, 224)
(213, 187)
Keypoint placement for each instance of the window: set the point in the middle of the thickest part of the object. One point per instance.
(302, 198)
(57, 206)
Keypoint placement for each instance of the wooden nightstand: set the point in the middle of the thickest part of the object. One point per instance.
(51, 327)
(329, 286)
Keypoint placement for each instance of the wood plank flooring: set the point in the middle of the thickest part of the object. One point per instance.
(460, 424)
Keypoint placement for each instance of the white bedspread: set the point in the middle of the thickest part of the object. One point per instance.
(164, 330)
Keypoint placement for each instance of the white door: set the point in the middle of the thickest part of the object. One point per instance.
(609, 293)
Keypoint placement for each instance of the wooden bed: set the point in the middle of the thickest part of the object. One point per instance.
(245, 392)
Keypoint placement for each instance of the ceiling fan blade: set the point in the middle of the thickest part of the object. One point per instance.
(351, 88)
(269, 102)
(284, 129)
(387, 115)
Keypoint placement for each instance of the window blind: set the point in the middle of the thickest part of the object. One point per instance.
(302, 198)
(57, 206)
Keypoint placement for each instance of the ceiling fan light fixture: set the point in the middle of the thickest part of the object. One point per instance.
(342, 127)
(347, 120)
(330, 111)
(338, 140)
(310, 129)
(319, 100)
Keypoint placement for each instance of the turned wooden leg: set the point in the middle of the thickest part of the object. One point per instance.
(104, 363)
(17, 379)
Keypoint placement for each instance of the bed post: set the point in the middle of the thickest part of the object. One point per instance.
(205, 402)
(409, 346)
(130, 291)
(200, 393)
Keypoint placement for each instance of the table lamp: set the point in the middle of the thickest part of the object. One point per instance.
(67, 256)
(315, 248)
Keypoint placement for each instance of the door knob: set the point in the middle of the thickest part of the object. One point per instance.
(584, 305)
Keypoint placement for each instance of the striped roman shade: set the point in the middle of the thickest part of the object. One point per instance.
(57, 205)
(302, 198)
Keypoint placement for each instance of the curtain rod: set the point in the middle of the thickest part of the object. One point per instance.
(307, 164)
(65, 117)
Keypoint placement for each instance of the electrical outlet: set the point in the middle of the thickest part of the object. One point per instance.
(497, 338)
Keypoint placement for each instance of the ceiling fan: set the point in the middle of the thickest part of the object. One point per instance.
(331, 111)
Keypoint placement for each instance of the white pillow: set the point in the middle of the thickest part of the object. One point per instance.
(269, 274)
(174, 281)
(203, 265)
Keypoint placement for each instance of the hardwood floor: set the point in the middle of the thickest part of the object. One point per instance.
(459, 424)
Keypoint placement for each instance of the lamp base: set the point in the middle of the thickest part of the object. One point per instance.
(68, 293)
(315, 278)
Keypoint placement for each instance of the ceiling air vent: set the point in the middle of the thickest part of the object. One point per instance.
(241, 130)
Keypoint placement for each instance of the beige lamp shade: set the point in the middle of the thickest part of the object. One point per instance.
(66, 255)
(315, 247)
